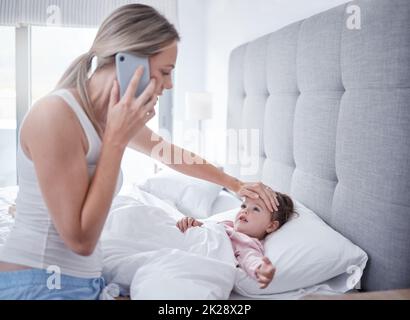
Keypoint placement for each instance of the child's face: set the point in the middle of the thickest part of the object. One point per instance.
(254, 219)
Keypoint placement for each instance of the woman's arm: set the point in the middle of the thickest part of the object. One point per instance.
(186, 162)
(179, 159)
(77, 204)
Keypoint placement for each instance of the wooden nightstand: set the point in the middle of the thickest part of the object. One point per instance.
(402, 294)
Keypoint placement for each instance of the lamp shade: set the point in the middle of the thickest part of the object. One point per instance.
(198, 105)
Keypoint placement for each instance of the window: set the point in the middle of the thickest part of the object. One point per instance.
(52, 51)
(7, 107)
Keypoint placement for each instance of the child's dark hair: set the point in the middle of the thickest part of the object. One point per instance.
(285, 211)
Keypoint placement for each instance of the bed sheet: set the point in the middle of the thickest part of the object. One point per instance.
(7, 207)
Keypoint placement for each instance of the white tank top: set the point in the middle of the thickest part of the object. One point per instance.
(33, 240)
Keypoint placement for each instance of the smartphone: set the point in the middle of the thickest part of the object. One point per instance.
(126, 64)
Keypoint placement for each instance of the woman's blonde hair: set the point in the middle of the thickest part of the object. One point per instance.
(133, 28)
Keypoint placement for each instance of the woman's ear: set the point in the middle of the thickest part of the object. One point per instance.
(273, 226)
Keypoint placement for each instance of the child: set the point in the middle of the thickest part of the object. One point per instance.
(252, 224)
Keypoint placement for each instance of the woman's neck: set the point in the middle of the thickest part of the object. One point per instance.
(99, 89)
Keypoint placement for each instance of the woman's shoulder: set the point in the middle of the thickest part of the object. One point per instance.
(50, 107)
(50, 116)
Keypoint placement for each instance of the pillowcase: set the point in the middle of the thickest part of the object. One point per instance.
(306, 252)
(191, 196)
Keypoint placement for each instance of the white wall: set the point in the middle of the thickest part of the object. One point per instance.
(227, 24)
(191, 61)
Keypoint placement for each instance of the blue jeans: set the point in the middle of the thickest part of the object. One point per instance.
(35, 284)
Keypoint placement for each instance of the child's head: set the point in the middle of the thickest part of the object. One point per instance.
(255, 219)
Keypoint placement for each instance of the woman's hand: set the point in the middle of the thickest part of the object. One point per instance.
(188, 222)
(265, 272)
(254, 190)
(126, 116)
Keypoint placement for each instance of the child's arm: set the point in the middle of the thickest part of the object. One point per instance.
(257, 266)
(188, 222)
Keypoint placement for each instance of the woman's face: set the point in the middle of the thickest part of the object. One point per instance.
(161, 66)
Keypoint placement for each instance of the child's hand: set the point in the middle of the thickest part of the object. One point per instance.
(188, 222)
(265, 272)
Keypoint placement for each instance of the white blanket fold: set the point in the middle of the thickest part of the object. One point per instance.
(150, 258)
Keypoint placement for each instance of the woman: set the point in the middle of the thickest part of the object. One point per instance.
(70, 149)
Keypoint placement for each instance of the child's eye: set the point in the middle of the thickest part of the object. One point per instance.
(256, 209)
(243, 206)
(165, 73)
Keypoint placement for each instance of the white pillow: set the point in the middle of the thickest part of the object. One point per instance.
(191, 196)
(132, 193)
(225, 201)
(306, 252)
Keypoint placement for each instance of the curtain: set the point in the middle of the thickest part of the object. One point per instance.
(72, 13)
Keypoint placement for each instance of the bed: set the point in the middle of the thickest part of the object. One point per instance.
(7, 207)
(331, 106)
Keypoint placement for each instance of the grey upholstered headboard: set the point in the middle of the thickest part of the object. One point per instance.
(333, 108)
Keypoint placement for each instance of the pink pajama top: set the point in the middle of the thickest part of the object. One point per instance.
(248, 250)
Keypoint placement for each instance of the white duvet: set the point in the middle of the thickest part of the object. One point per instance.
(150, 258)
